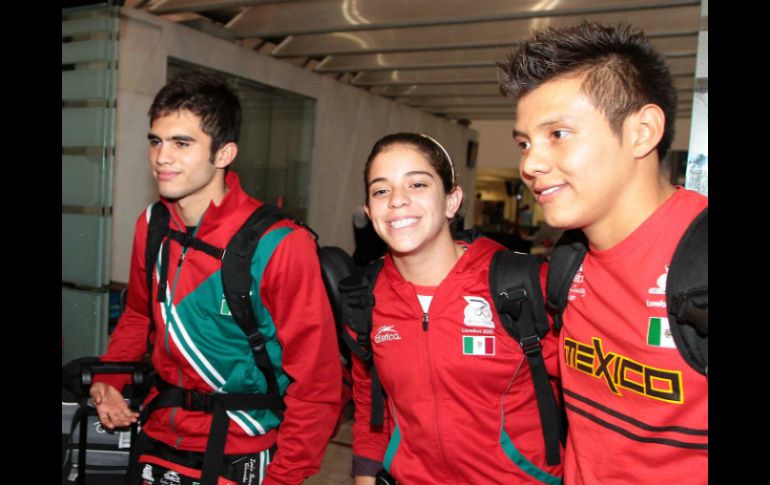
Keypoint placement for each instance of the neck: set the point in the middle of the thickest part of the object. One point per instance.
(638, 203)
(191, 208)
(429, 266)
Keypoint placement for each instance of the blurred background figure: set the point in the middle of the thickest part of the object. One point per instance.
(369, 246)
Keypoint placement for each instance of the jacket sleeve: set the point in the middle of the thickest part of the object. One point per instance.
(294, 294)
(369, 443)
(129, 339)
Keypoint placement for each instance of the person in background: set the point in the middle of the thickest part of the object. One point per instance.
(369, 246)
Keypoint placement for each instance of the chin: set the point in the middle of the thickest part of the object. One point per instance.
(402, 248)
(559, 221)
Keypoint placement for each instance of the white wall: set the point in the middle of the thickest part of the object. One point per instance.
(348, 122)
(496, 146)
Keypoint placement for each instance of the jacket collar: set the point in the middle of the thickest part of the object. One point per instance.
(235, 200)
(476, 258)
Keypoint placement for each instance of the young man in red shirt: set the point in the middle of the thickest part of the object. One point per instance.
(199, 351)
(595, 117)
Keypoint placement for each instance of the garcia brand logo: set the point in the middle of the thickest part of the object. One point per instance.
(386, 333)
(478, 313)
(620, 372)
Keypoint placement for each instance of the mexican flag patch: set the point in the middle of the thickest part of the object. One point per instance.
(659, 333)
(478, 345)
(224, 309)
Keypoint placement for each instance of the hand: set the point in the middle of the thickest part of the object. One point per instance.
(364, 480)
(112, 409)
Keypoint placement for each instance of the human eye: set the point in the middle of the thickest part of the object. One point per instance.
(559, 134)
(154, 142)
(378, 192)
(182, 144)
(523, 145)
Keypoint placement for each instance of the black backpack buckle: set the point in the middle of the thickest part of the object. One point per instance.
(257, 342)
(691, 307)
(530, 345)
(198, 401)
(511, 301)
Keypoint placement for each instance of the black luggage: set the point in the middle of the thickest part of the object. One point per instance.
(86, 445)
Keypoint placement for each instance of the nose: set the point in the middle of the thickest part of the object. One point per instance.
(533, 163)
(160, 154)
(398, 198)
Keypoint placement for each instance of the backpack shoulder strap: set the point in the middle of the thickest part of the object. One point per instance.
(357, 302)
(237, 281)
(566, 259)
(514, 282)
(357, 297)
(687, 294)
(336, 265)
(157, 229)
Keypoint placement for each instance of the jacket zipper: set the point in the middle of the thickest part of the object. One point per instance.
(169, 303)
(433, 391)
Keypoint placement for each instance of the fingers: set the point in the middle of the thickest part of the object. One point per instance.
(111, 418)
(112, 410)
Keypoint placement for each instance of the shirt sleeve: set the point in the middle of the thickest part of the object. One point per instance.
(128, 342)
(294, 294)
(364, 467)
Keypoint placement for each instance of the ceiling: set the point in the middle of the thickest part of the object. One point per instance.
(434, 55)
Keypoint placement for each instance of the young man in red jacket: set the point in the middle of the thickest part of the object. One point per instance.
(198, 349)
(595, 117)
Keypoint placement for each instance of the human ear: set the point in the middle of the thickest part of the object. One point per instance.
(647, 128)
(225, 155)
(453, 201)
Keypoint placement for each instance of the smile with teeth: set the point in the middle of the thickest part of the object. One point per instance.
(398, 224)
(551, 190)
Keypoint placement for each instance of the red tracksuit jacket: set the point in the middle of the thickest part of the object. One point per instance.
(199, 346)
(461, 406)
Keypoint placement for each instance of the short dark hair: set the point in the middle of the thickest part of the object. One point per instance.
(205, 96)
(622, 70)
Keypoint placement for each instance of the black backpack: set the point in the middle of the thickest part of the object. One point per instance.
(336, 264)
(514, 282)
(686, 287)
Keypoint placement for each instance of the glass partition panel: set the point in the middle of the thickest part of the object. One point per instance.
(89, 74)
(77, 307)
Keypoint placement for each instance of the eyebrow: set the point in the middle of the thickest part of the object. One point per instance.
(408, 174)
(546, 123)
(153, 136)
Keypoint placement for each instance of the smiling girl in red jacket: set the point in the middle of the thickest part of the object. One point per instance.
(460, 402)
